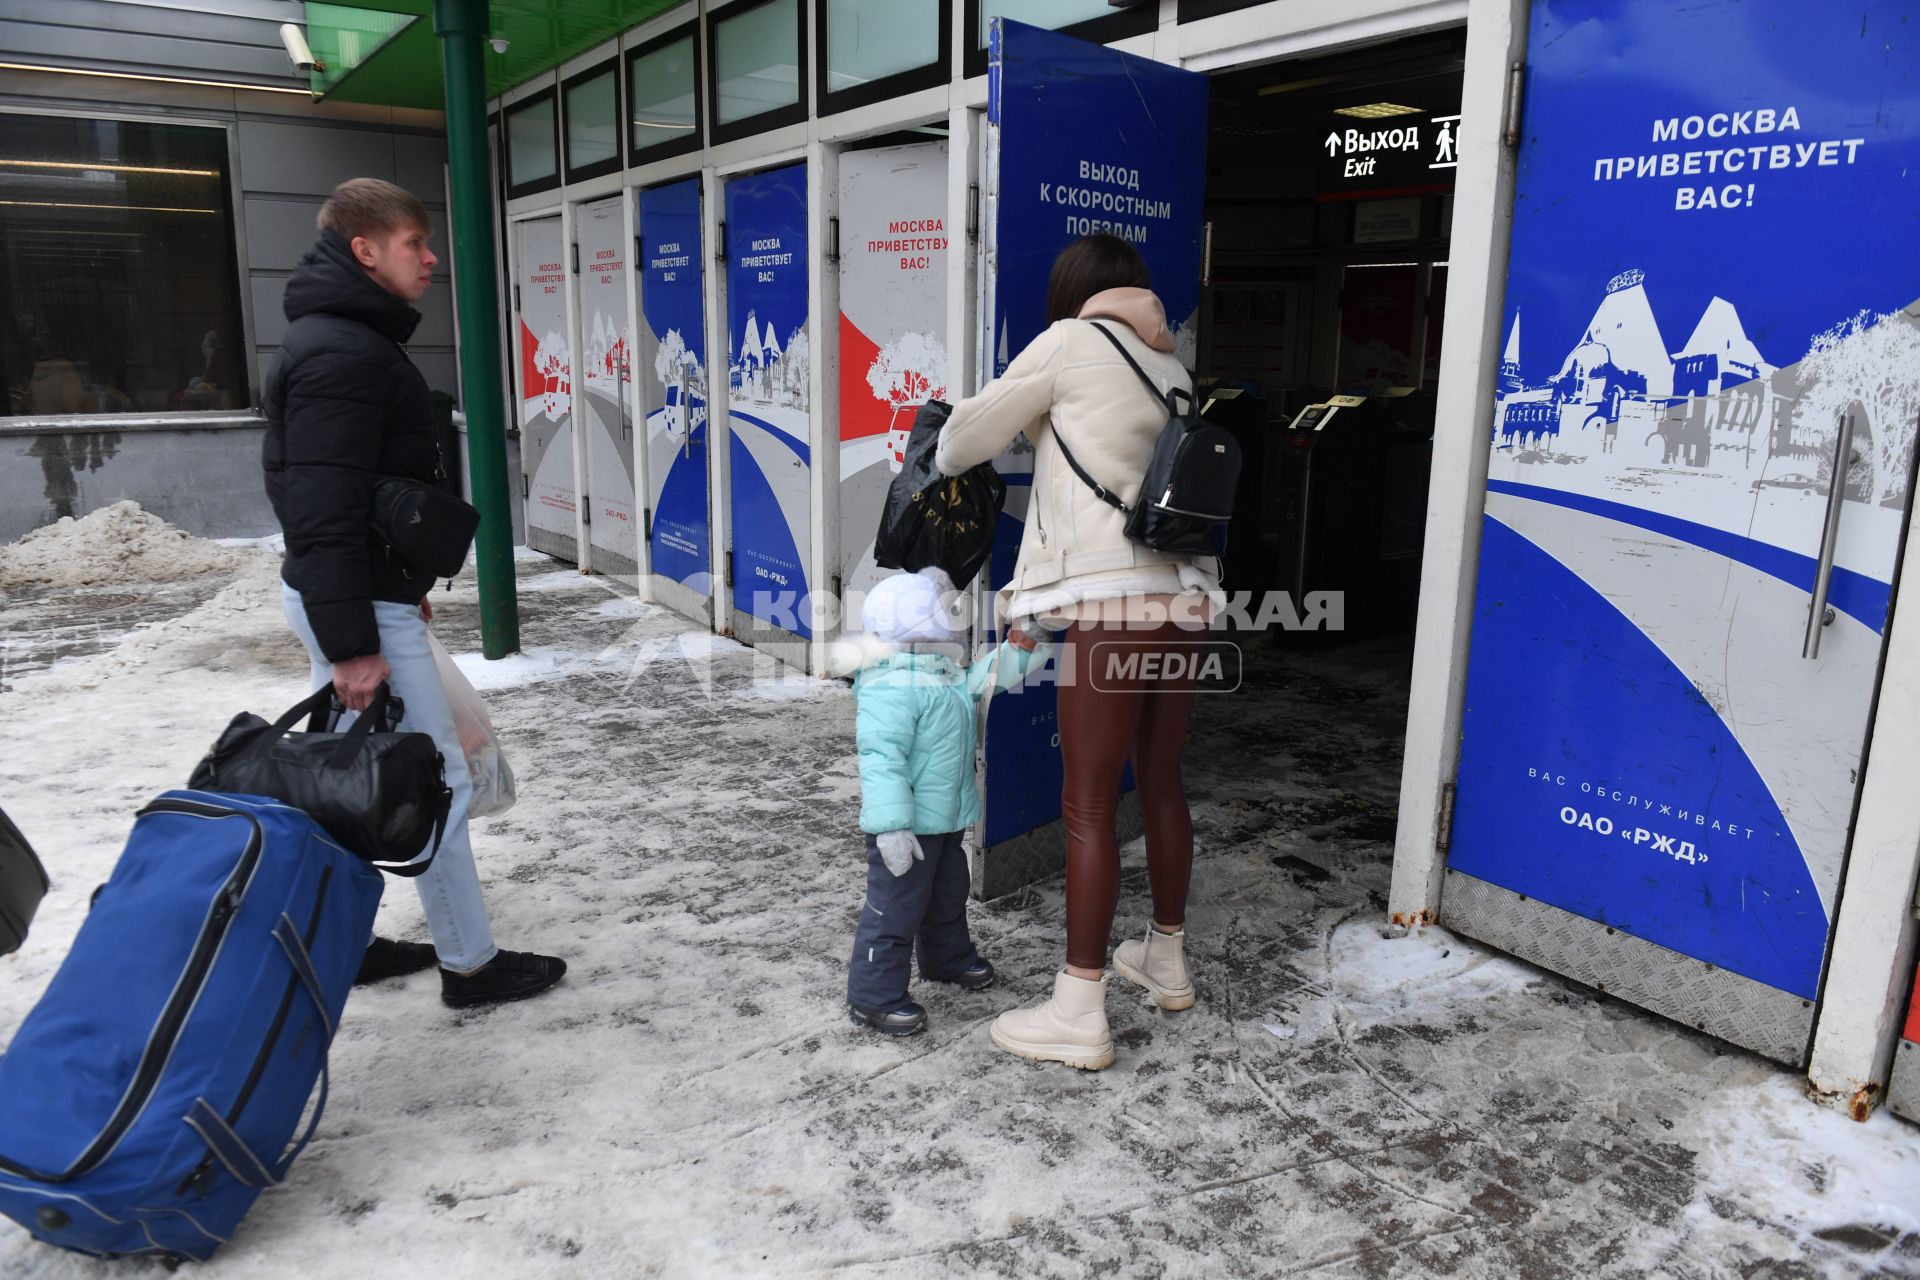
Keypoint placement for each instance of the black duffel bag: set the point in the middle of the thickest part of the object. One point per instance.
(381, 793)
(936, 521)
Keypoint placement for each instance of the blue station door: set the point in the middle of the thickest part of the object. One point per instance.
(770, 423)
(1080, 138)
(672, 372)
(1700, 464)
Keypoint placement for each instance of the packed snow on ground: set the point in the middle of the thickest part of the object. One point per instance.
(691, 1101)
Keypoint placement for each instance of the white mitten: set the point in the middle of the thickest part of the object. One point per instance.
(899, 850)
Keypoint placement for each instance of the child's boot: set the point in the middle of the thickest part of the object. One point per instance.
(1071, 1027)
(907, 1019)
(1160, 965)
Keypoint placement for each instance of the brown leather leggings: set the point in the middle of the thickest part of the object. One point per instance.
(1111, 711)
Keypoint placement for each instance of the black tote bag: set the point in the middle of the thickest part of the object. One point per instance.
(936, 521)
(382, 794)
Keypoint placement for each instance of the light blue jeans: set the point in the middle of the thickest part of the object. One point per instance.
(450, 888)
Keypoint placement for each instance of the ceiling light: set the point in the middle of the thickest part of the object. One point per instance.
(1378, 111)
(128, 75)
(117, 208)
(109, 168)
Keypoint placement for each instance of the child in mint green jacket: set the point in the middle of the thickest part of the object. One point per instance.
(916, 709)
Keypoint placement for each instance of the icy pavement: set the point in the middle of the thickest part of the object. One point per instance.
(693, 1102)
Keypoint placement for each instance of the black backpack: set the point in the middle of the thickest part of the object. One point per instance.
(1190, 482)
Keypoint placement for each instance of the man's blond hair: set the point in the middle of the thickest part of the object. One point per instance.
(369, 207)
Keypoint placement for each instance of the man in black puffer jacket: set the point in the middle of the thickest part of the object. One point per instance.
(345, 410)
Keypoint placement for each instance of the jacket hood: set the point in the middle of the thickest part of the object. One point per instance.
(329, 280)
(860, 653)
(1139, 309)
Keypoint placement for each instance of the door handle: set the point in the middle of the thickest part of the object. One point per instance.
(1818, 615)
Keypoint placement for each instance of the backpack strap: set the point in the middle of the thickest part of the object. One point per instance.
(1166, 399)
(1101, 491)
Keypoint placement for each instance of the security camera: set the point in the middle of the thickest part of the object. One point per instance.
(499, 44)
(298, 51)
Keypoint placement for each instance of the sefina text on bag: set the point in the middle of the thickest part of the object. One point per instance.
(936, 521)
(1190, 480)
(380, 792)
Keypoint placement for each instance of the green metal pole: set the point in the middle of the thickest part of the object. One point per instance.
(462, 26)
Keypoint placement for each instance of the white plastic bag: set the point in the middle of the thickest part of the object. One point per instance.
(493, 790)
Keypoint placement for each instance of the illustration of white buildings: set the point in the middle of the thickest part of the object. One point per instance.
(762, 372)
(1622, 345)
(1718, 355)
(1717, 403)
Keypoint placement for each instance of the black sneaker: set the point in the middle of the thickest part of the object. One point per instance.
(510, 975)
(390, 958)
(907, 1020)
(978, 977)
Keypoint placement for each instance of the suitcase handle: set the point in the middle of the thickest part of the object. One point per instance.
(228, 1146)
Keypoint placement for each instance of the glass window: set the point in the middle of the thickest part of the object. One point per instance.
(1051, 14)
(118, 269)
(593, 120)
(869, 40)
(757, 60)
(530, 149)
(661, 93)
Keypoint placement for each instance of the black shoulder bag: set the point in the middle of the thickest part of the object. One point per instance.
(1190, 481)
(424, 525)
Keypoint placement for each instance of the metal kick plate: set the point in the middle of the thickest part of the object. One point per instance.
(1773, 1023)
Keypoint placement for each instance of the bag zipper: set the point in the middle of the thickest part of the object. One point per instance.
(202, 1176)
(160, 1042)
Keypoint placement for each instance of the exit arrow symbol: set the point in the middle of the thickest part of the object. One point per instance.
(1333, 143)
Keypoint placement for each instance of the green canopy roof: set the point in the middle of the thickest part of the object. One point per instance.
(384, 51)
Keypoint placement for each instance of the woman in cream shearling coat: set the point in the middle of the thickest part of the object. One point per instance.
(1077, 569)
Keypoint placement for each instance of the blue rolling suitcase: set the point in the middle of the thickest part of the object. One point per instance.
(156, 1088)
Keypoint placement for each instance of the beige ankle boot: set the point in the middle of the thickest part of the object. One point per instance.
(1160, 965)
(1069, 1028)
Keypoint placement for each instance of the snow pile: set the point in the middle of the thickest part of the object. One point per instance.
(120, 543)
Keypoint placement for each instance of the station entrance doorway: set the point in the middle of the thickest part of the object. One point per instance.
(1328, 203)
